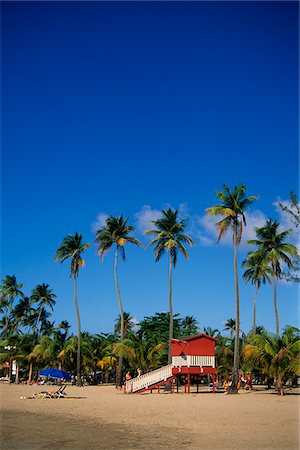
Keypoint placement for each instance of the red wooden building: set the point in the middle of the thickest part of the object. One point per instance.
(192, 356)
(195, 356)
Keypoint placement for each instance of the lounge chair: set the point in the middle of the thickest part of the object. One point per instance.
(53, 394)
(60, 392)
(44, 394)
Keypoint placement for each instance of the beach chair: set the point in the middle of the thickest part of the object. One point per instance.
(60, 392)
(44, 394)
(53, 394)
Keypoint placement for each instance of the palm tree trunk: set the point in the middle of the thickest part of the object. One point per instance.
(17, 374)
(254, 309)
(120, 363)
(171, 311)
(7, 331)
(78, 381)
(38, 320)
(233, 388)
(275, 305)
(30, 372)
(10, 369)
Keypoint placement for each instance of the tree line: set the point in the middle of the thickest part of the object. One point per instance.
(271, 252)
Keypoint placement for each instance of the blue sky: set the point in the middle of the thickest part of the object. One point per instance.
(126, 108)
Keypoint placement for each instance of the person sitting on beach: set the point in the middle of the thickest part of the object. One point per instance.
(248, 384)
(243, 381)
(226, 385)
(128, 376)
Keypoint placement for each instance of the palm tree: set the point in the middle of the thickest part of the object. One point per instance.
(257, 272)
(46, 351)
(224, 357)
(128, 322)
(72, 248)
(68, 353)
(232, 208)
(230, 325)
(116, 232)
(27, 343)
(156, 328)
(9, 291)
(277, 357)
(10, 350)
(213, 332)
(20, 314)
(190, 326)
(44, 296)
(169, 237)
(273, 250)
(139, 353)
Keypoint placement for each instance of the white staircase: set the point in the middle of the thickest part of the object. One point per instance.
(148, 379)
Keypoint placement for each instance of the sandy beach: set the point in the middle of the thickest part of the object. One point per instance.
(108, 419)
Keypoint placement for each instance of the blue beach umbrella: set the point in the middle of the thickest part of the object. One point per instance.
(55, 373)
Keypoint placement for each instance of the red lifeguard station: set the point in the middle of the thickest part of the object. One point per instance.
(193, 355)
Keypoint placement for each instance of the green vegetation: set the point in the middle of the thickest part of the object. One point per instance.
(257, 272)
(116, 232)
(72, 248)
(232, 208)
(273, 250)
(30, 339)
(169, 237)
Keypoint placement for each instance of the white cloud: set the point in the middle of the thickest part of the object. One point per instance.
(144, 217)
(183, 211)
(255, 219)
(204, 228)
(147, 214)
(100, 221)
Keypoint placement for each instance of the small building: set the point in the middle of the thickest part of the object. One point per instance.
(195, 356)
(191, 356)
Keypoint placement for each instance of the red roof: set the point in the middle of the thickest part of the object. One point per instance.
(197, 336)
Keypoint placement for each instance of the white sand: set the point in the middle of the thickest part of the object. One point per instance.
(107, 418)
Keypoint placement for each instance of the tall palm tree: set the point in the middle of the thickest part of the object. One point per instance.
(232, 209)
(21, 313)
(273, 249)
(116, 232)
(9, 291)
(72, 248)
(169, 237)
(230, 325)
(44, 296)
(128, 323)
(190, 326)
(257, 272)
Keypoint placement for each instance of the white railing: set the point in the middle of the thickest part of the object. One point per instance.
(190, 360)
(148, 379)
